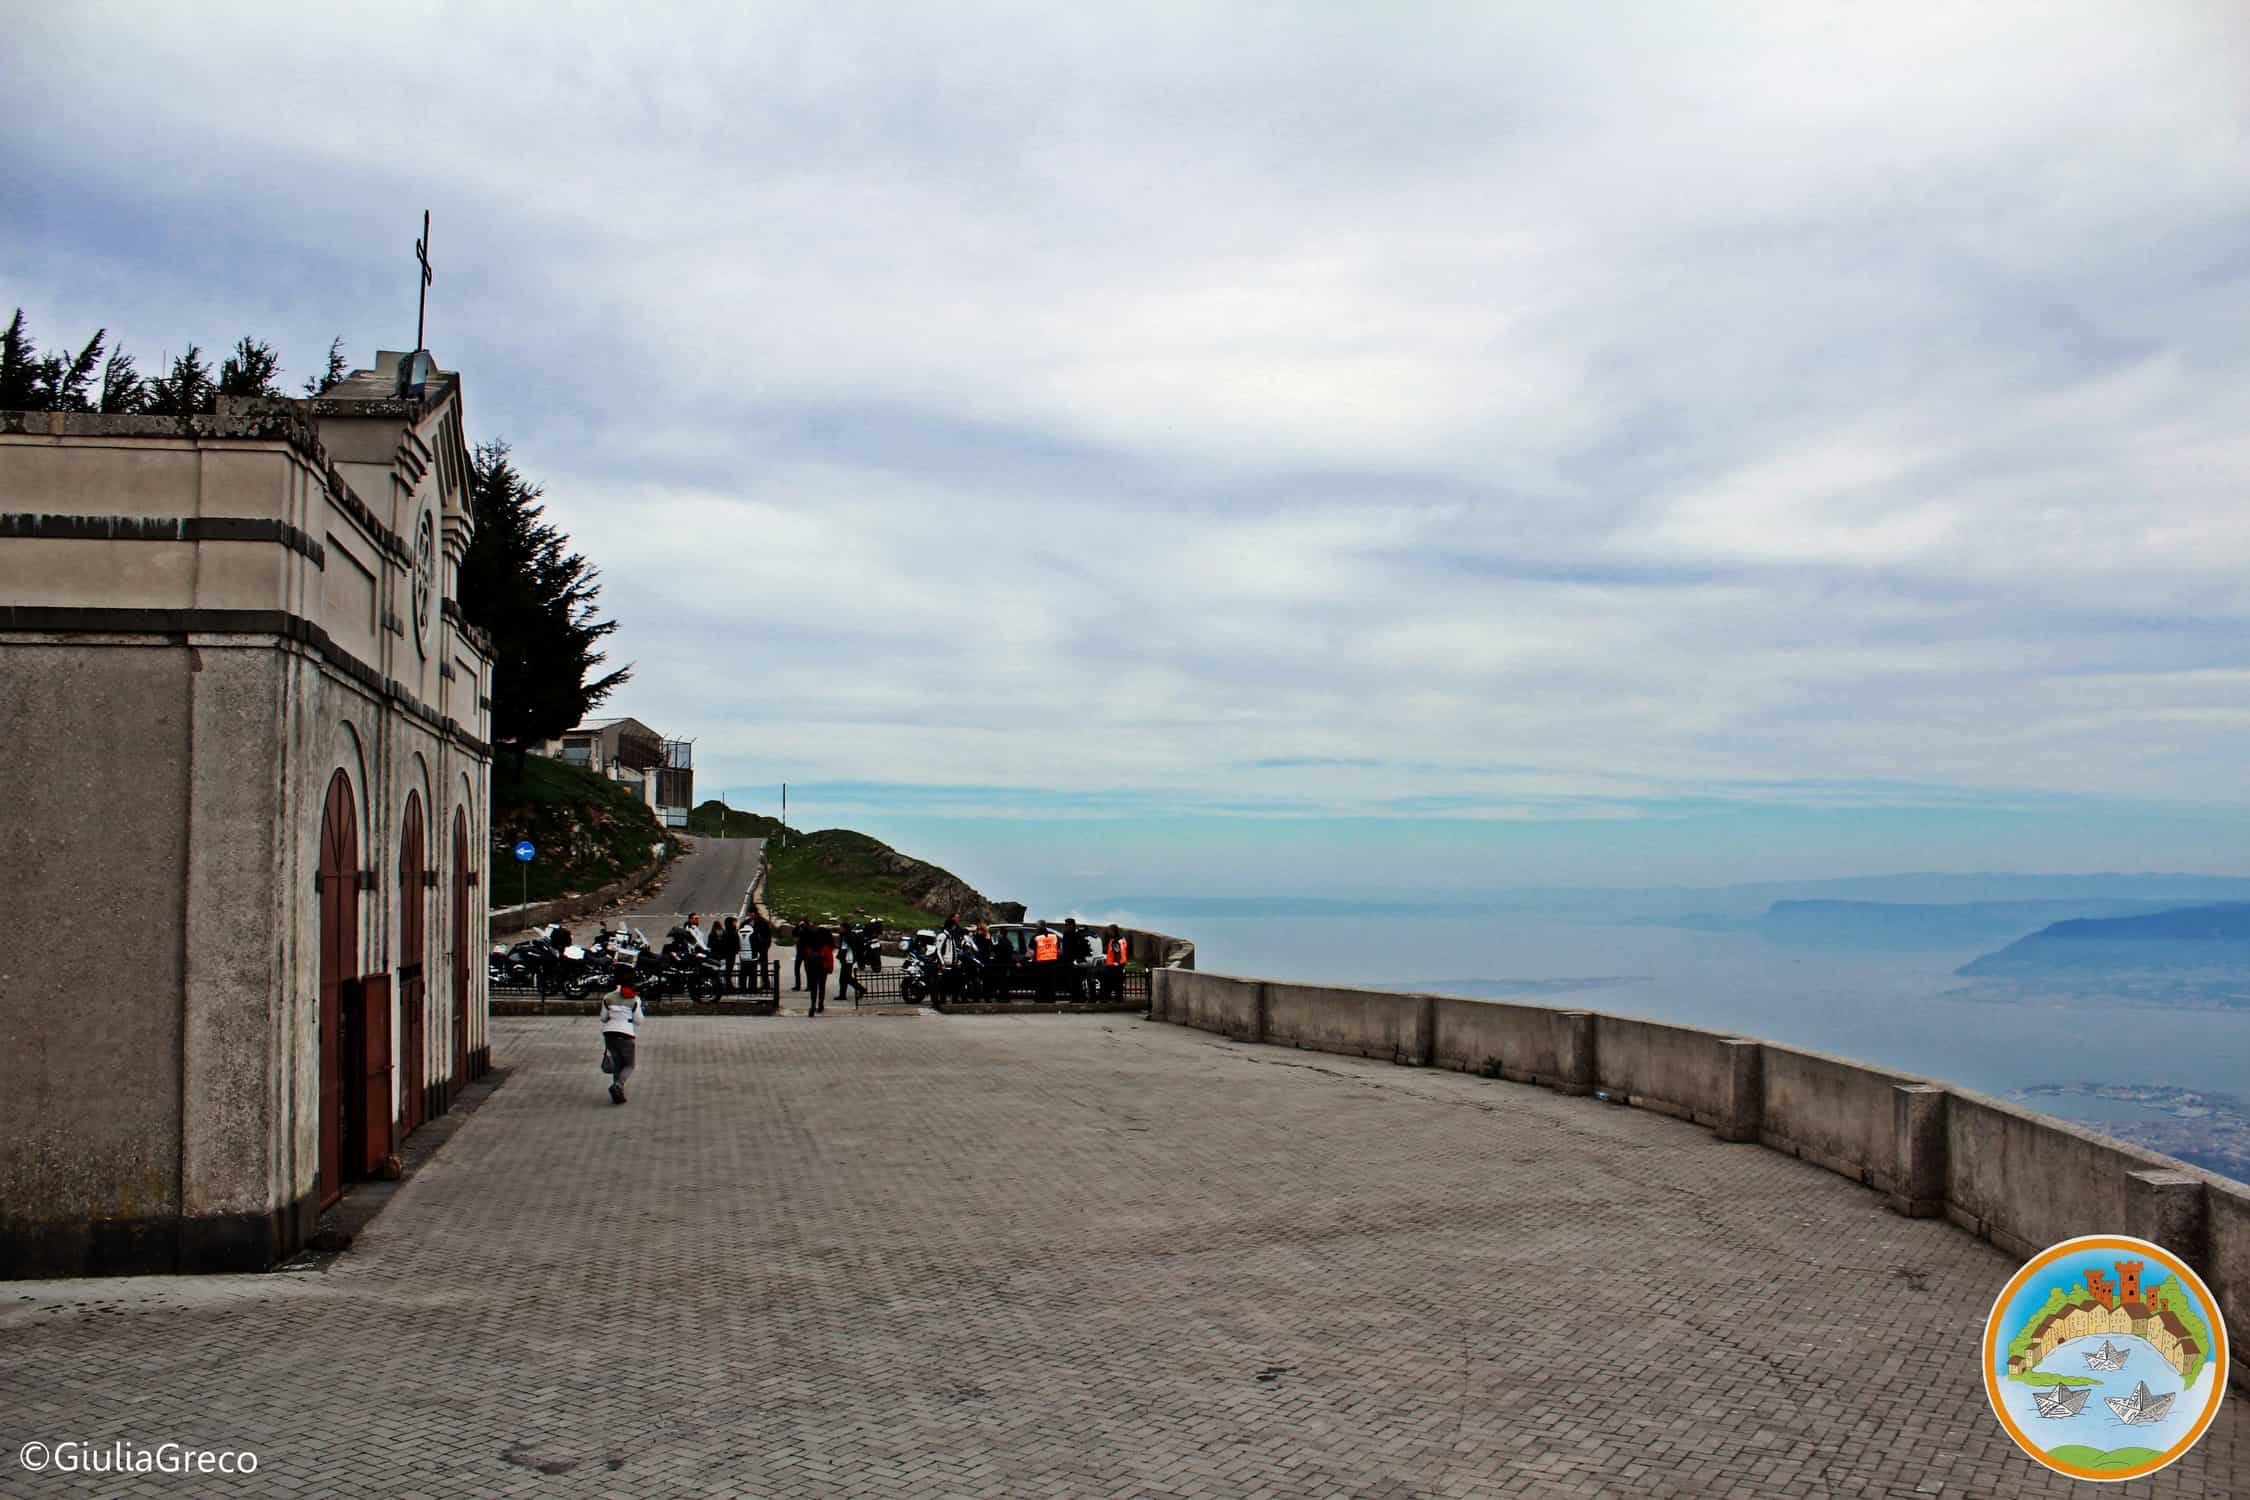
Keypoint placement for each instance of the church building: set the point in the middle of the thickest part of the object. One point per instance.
(247, 731)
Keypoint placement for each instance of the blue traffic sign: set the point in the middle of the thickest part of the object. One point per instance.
(524, 851)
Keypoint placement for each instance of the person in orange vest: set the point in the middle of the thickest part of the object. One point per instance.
(1046, 961)
(1112, 977)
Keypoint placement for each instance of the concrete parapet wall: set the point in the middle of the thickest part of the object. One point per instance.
(1676, 1070)
(2227, 1229)
(2019, 1179)
(2024, 1180)
(1832, 1112)
(1360, 1023)
(1526, 1043)
(1208, 1002)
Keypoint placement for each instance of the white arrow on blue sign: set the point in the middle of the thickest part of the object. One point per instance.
(524, 851)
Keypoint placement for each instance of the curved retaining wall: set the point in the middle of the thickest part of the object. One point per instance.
(2017, 1178)
(506, 919)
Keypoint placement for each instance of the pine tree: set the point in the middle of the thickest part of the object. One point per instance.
(63, 382)
(187, 390)
(123, 390)
(19, 366)
(537, 599)
(54, 382)
(250, 370)
(337, 369)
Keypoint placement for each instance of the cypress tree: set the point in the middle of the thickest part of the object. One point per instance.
(521, 583)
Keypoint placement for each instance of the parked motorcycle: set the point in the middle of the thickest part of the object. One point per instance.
(865, 939)
(681, 968)
(529, 964)
(918, 968)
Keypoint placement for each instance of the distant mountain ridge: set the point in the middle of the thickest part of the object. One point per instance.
(1727, 907)
(2191, 937)
(2225, 923)
(1888, 924)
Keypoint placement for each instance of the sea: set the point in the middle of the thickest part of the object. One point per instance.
(1905, 1010)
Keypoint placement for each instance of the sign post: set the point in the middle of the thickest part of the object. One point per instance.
(524, 852)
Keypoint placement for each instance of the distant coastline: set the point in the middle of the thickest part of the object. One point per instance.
(2199, 1126)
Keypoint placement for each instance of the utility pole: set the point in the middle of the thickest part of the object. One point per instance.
(785, 815)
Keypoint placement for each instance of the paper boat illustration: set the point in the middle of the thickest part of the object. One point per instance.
(2141, 1406)
(2107, 1357)
(2062, 1400)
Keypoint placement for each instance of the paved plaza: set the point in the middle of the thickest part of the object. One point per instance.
(1059, 1256)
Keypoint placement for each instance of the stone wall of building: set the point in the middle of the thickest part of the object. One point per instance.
(202, 627)
(92, 905)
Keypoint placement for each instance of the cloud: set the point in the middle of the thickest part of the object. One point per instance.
(1464, 410)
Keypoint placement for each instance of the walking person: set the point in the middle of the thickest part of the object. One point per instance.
(621, 1024)
(847, 955)
(799, 935)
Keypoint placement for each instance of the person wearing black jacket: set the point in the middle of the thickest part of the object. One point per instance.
(761, 943)
(726, 947)
(799, 931)
(1077, 952)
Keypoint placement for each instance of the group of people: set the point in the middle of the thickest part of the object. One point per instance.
(741, 947)
(821, 951)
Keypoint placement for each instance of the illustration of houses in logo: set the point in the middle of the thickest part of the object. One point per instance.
(2114, 1307)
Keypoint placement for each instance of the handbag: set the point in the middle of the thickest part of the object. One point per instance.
(609, 1059)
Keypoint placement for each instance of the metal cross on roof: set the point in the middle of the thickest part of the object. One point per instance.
(422, 254)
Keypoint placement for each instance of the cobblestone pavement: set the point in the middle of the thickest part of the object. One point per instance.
(1060, 1256)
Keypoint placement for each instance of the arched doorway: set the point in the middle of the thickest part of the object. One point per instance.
(413, 901)
(340, 1062)
(462, 947)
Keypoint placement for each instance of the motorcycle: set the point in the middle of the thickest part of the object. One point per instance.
(918, 968)
(682, 968)
(866, 943)
(528, 965)
(969, 977)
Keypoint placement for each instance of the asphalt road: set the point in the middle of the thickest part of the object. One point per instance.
(712, 880)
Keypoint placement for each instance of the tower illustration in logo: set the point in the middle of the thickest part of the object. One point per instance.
(2111, 1317)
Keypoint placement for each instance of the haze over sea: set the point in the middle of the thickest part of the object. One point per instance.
(1900, 1006)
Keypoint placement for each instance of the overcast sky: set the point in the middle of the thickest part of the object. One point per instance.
(1263, 447)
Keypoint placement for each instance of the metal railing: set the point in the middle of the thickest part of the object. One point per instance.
(751, 982)
(1020, 983)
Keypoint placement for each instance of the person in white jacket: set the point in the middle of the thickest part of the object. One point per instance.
(621, 1024)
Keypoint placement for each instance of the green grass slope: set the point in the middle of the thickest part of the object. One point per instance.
(715, 819)
(838, 873)
(588, 829)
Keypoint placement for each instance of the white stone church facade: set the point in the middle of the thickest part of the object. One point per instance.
(241, 911)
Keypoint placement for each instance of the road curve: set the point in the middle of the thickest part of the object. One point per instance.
(714, 877)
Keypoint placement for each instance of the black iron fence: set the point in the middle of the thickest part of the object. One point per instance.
(748, 981)
(761, 982)
(1019, 984)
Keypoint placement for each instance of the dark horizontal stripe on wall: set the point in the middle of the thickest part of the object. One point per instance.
(63, 619)
(477, 635)
(163, 529)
